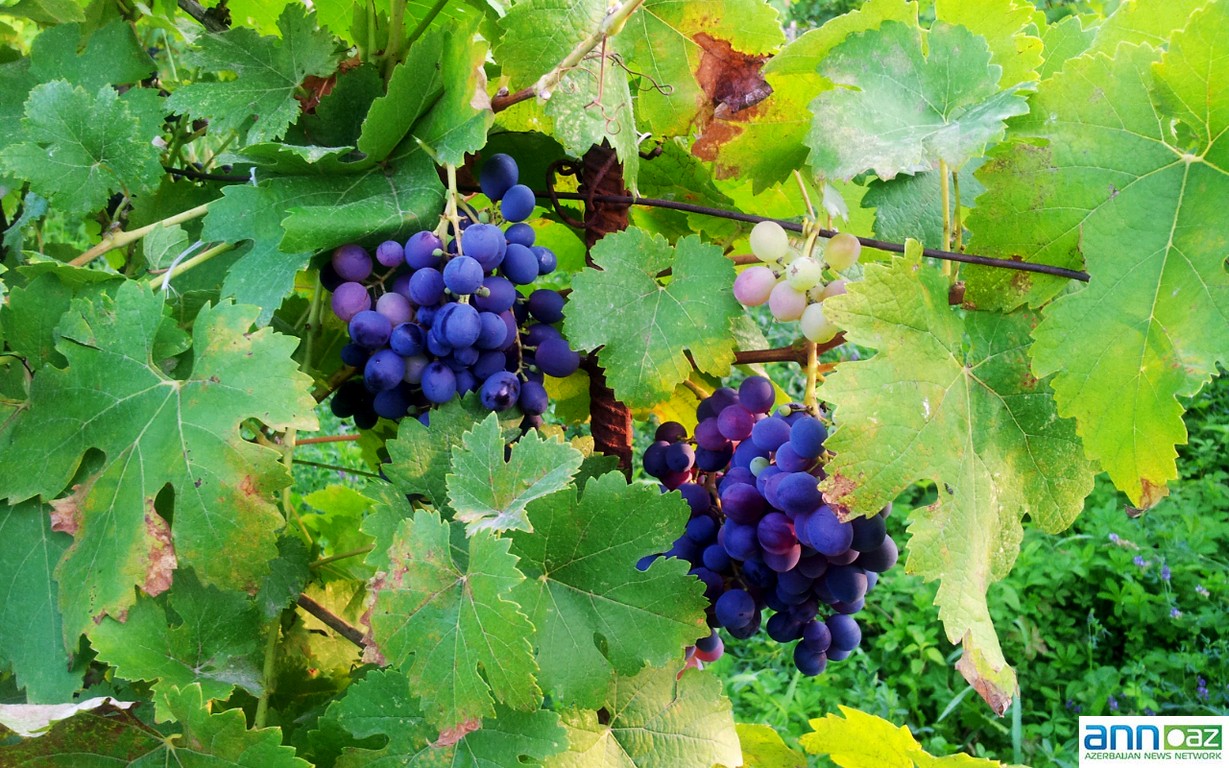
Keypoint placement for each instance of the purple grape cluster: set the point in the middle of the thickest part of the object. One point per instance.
(760, 534)
(439, 316)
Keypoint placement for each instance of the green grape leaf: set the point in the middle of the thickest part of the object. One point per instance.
(763, 747)
(1134, 158)
(441, 614)
(215, 642)
(488, 492)
(288, 218)
(646, 329)
(902, 112)
(105, 732)
(335, 526)
(1008, 27)
(382, 704)
(34, 310)
(596, 614)
(15, 85)
(111, 56)
(949, 398)
(421, 455)
(859, 740)
(338, 118)
(33, 208)
(592, 103)
(155, 430)
(766, 142)
(912, 206)
(31, 640)
(288, 576)
(1063, 42)
(260, 102)
(654, 721)
(415, 86)
(76, 148)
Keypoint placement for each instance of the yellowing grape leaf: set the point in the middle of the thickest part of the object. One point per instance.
(766, 141)
(896, 110)
(645, 326)
(260, 102)
(653, 720)
(1133, 164)
(382, 704)
(442, 613)
(949, 398)
(596, 614)
(763, 747)
(490, 492)
(859, 740)
(1143, 21)
(156, 431)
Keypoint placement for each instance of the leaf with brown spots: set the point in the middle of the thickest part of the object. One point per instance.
(153, 430)
(948, 398)
(441, 615)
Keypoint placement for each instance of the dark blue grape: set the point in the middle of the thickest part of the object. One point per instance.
(492, 332)
(546, 306)
(520, 234)
(756, 394)
(426, 288)
(355, 355)
(735, 608)
(846, 634)
(671, 432)
(798, 493)
(463, 275)
(439, 383)
(489, 362)
(795, 582)
(517, 203)
(817, 636)
(370, 329)
(547, 261)
(392, 403)
(697, 497)
(680, 457)
(776, 533)
(519, 265)
(383, 371)
(740, 541)
(712, 461)
(485, 244)
(742, 503)
(783, 629)
(868, 533)
(329, 279)
(499, 173)
(823, 532)
(459, 324)
(348, 399)
(709, 644)
(809, 662)
(807, 437)
(789, 460)
(497, 295)
(655, 459)
(713, 583)
(421, 250)
(708, 436)
(500, 391)
(735, 422)
(349, 299)
(715, 558)
(847, 583)
(771, 433)
(533, 400)
(407, 340)
(742, 633)
(555, 358)
(701, 530)
(881, 559)
(815, 565)
(783, 561)
(466, 356)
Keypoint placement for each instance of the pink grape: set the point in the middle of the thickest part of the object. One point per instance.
(349, 299)
(786, 303)
(752, 286)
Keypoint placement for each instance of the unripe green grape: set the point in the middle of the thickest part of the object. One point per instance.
(815, 326)
(786, 303)
(759, 464)
(803, 273)
(842, 251)
(769, 242)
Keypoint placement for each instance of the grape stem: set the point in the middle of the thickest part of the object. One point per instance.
(945, 196)
(337, 468)
(958, 218)
(396, 35)
(163, 280)
(268, 672)
(119, 238)
(343, 556)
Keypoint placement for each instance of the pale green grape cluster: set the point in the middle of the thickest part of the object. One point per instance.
(793, 284)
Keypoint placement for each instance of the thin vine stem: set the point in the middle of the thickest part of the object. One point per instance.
(343, 556)
(432, 12)
(268, 672)
(958, 217)
(812, 367)
(332, 620)
(163, 280)
(396, 29)
(118, 239)
(945, 198)
(337, 468)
